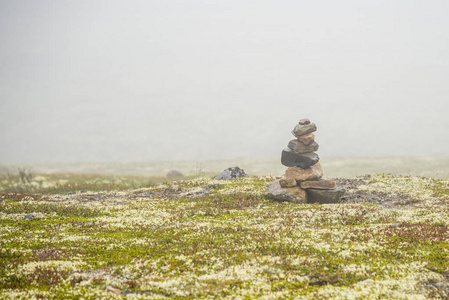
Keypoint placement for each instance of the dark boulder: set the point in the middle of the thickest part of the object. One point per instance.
(231, 173)
(298, 147)
(325, 196)
(302, 160)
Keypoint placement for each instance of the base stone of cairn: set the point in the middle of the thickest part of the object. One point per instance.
(303, 182)
(293, 194)
(325, 196)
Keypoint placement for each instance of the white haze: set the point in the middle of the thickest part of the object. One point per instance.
(198, 80)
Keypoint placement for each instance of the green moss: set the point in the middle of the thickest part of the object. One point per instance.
(61, 210)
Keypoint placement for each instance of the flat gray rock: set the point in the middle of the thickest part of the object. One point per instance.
(325, 196)
(288, 194)
(302, 160)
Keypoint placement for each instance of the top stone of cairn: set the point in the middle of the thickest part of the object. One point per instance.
(304, 121)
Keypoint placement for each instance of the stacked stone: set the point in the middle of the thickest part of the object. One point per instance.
(303, 180)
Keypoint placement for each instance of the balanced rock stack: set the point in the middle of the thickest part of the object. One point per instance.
(303, 180)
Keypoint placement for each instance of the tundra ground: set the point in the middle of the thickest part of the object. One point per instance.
(202, 238)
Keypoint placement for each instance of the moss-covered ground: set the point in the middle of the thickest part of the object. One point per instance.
(202, 238)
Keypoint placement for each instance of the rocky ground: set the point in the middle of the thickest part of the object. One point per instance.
(396, 192)
(205, 238)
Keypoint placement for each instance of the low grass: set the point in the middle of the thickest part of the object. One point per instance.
(67, 183)
(201, 238)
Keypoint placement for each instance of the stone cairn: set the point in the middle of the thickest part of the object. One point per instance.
(303, 180)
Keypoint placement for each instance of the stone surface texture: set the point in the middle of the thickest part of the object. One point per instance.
(287, 182)
(306, 139)
(304, 129)
(322, 184)
(289, 194)
(315, 172)
(298, 147)
(325, 196)
(302, 160)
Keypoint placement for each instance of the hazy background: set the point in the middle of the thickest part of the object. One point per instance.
(98, 81)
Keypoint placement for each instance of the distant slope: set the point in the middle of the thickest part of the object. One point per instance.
(333, 167)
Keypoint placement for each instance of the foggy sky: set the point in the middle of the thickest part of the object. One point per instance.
(189, 80)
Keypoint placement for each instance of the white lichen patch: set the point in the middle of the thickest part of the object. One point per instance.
(59, 265)
(420, 187)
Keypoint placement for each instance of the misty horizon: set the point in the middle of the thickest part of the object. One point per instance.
(160, 81)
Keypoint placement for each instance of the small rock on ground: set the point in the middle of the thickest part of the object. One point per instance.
(174, 174)
(231, 173)
(34, 216)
